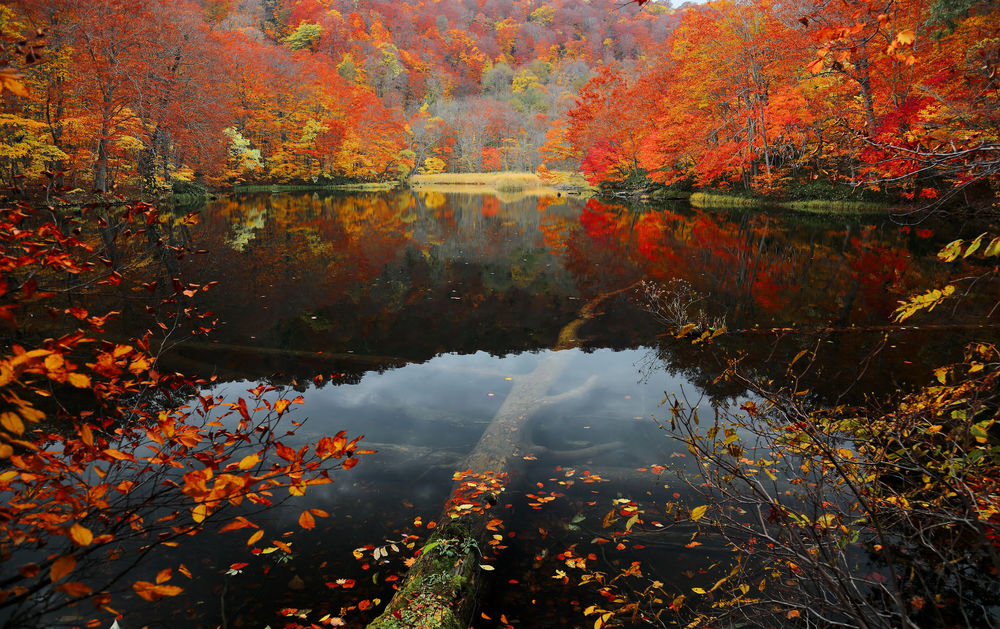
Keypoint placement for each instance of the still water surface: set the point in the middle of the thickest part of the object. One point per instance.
(419, 310)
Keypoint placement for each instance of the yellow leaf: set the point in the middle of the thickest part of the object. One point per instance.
(12, 423)
(61, 567)
(603, 620)
(199, 513)
(54, 362)
(248, 461)
(12, 83)
(79, 380)
(698, 512)
(905, 37)
(81, 535)
(698, 590)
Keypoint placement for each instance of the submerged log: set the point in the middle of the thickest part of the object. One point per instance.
(440, 589)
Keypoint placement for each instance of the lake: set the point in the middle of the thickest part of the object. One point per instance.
(409, 316)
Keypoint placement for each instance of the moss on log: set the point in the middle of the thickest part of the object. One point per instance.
(441, 587)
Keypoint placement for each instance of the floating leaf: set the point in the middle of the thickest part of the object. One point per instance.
(153, 592)
(698, 512)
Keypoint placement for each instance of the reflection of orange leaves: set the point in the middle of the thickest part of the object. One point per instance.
(307, 521)
(491, 206)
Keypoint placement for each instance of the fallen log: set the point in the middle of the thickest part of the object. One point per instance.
(440, 589)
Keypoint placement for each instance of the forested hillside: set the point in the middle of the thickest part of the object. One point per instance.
(898, 96)
(147, 93)
(779, 98)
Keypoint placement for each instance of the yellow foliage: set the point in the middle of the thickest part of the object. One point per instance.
(432, 166)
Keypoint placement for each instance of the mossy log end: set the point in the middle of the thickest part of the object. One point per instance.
(439, 591)
(441, 586)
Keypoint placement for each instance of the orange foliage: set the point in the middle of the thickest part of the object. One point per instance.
(102, 451)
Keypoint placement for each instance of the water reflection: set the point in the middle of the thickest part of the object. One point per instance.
(416, 308)
(346, 284)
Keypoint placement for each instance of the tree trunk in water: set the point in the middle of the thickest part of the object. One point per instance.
(441, 587)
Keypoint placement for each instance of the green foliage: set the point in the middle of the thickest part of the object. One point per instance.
(305, 36)
(497, 80)
(347, 70)
(188, 188)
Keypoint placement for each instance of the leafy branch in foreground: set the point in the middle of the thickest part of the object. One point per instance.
(104, 457)
(859, 520)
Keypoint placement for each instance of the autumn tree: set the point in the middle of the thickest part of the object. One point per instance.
(107, 456)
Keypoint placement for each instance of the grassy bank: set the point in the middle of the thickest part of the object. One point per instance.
(371, 186)
(507, 186)
(504, 181)
(712, 200)
(709, 200)
(843, 207)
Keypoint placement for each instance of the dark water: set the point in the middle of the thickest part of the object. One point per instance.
(420, 308)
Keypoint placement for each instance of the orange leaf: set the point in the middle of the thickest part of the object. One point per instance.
(75, 589)
(11, 82)
(183, 570)
(281, 405)
(81, 535)
(12, 422)
(164, 575)
(306, 520)
(237, 524)
(61, 567)
(283, 546)
(255, 537)
(152, 592)
(118, 454)
(319, 513)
